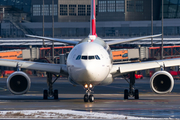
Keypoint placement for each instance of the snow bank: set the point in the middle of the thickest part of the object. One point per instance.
(63, 114)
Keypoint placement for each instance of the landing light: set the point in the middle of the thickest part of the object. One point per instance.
(86, 86)
(90, 86)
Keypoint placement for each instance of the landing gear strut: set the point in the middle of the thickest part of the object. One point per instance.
(88, 96)
(131, 92)
(50, 92)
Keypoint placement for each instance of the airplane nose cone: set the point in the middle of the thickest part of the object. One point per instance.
(88, 72)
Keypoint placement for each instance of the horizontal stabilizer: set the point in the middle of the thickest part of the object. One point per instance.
(54, 39)
(130, 39)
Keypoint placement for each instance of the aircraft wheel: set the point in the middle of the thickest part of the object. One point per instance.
(55, 94)
(91, 98)
(85, 98)
(136, 94)
(45, 94)
(126, 94)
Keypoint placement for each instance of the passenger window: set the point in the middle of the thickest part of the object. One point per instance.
(84, 57)
(78, 57)
(91, 57)
(97, 57)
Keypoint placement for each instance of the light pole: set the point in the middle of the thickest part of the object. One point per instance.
(43, 22)
(162, 32)
(52, 30)
(43, 28)
(152, 22)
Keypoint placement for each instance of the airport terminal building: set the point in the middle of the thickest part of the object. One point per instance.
(71, 17)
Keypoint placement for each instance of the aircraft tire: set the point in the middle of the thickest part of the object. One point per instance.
(125, 94)
(45, 94)
(136, 94)
(85, 98)
(91, 98)
(55, 94)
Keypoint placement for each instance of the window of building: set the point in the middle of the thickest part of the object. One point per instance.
(55, 10)
(46, 10)
(81, 10)
(88, 10)
(171, 15)
(36, 10)
(3, 2)
(165, 8)
(63, 9)
(130, 6)
(139, 6)
(173, 2)
(119, 5)
(102, 6)
(166, 1)
(72, 10)
(24, 5)
(96, 10)
(178, 12)
(172, 8)
(111, 6)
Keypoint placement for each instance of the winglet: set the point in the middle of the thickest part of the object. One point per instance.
(93, 21)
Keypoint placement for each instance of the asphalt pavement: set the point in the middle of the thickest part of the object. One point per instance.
(108, 99)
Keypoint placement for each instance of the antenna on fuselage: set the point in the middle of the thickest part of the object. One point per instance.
(93, 34)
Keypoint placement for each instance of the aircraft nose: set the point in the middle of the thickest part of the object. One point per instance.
(88, 70)
(89, 73)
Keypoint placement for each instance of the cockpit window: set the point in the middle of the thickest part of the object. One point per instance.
(87, 57)
(78, 57)
(97, 57)
(91, 57)
(84, 57)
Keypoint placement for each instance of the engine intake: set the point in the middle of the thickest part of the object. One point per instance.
(18, 83)
(162, 82)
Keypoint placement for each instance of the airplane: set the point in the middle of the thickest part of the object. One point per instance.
(90, 64)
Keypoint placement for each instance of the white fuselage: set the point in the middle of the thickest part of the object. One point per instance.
(88, 63)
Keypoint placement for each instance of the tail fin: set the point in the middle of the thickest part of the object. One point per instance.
(93, 19)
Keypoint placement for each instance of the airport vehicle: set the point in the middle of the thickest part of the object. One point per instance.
(89, 64)
(138, 76)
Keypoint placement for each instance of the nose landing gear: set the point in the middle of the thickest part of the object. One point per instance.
(88, 96)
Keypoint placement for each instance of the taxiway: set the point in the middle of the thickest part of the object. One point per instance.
(108, 99)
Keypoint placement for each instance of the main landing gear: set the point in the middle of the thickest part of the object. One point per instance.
(50, 92)
(131, 92)
(88, 96)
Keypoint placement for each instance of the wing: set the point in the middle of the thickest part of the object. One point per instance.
(48, 67)
(130, 39)
(125, 68)
(54, 39)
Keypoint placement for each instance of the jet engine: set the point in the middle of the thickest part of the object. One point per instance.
(18, 83)
(162, 82)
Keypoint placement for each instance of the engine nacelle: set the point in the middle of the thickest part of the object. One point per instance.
(18, 83)
(162, 82)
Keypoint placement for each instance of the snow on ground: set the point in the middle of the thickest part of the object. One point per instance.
(63, 114)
